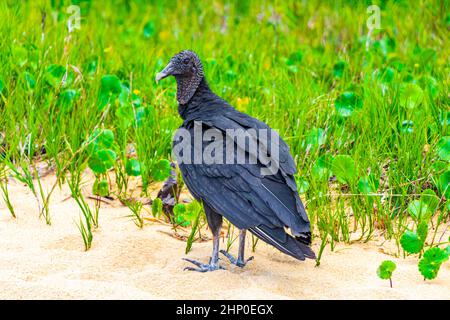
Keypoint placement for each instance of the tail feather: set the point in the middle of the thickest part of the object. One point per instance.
(278, 238)
(304, 237)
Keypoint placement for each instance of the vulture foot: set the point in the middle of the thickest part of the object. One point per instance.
(202, 267)
(238, 262)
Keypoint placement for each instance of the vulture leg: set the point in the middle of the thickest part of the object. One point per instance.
(240, 262)
(215, 223)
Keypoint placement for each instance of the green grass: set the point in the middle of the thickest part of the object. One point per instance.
(312, 71)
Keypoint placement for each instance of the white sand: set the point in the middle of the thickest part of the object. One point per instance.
(48, 262)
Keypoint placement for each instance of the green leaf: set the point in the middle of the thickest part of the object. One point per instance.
(368, 184)
(386, 269)
(418, 210)
(431, 262)
(179, 209)
(110, 88)
(315, 138)
(302, 185)
(429, 83)
(141, 115)
(101, 188)
(338, 69)
(411, 242)
(444, 184)
(387, 75)
(110, 84)
(407, 126)
(179, 212)
(161, 170)
(157, 207)
(30, 80)
(20, 55)
(411, 95)
(344, 169)
(422, 231)
(133, 167)
(2, 86)
(347, 103)
(149, 29)
(101, 161)
(54, 75)
(125, 114)
(101, 139)
(295, 58)
(430, 199)
(192, 210)
(67, 98)
(322, 167)
(443, 148)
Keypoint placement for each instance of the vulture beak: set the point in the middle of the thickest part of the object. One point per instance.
(167, 71)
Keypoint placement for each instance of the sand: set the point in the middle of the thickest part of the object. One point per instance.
(48, 262)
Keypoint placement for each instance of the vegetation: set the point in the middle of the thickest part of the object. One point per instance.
(365, 112)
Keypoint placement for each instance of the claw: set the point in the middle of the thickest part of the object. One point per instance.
(202, 267)
(237, 262)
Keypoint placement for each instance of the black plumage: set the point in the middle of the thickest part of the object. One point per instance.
(262, 204)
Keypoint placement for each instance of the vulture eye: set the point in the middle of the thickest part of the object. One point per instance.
(186, 60)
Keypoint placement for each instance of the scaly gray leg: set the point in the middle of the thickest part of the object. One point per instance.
(240, 262)
(215, 223)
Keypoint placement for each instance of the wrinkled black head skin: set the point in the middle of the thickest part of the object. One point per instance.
(187, 69)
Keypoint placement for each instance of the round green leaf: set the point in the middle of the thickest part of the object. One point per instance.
(407, 126)
(322, 167)
(105, 139)
(110, 84)
(429, 83)
(431, 262)
(387, 75)
(344, 169)
(125, 114)
(179, 209)
(101, 188)
(430, 199)
(347, 103)
(422, 231)
(368, 184)
(133, 167)
(443, 148)
(444, 184)
(315, 138)
(67, 99)
(302, 185)
(30, 80)
(418, 209)
(101, 161)
(411, 95)
(411, 242)
(161, 170)
(54, 75)
(180, 212)
(295, 58)
(338, 69)
(149, 29)
(386, 269)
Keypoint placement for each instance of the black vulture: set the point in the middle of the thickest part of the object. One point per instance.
(252, 188)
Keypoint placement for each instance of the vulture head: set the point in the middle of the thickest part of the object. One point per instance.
(187, 69)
